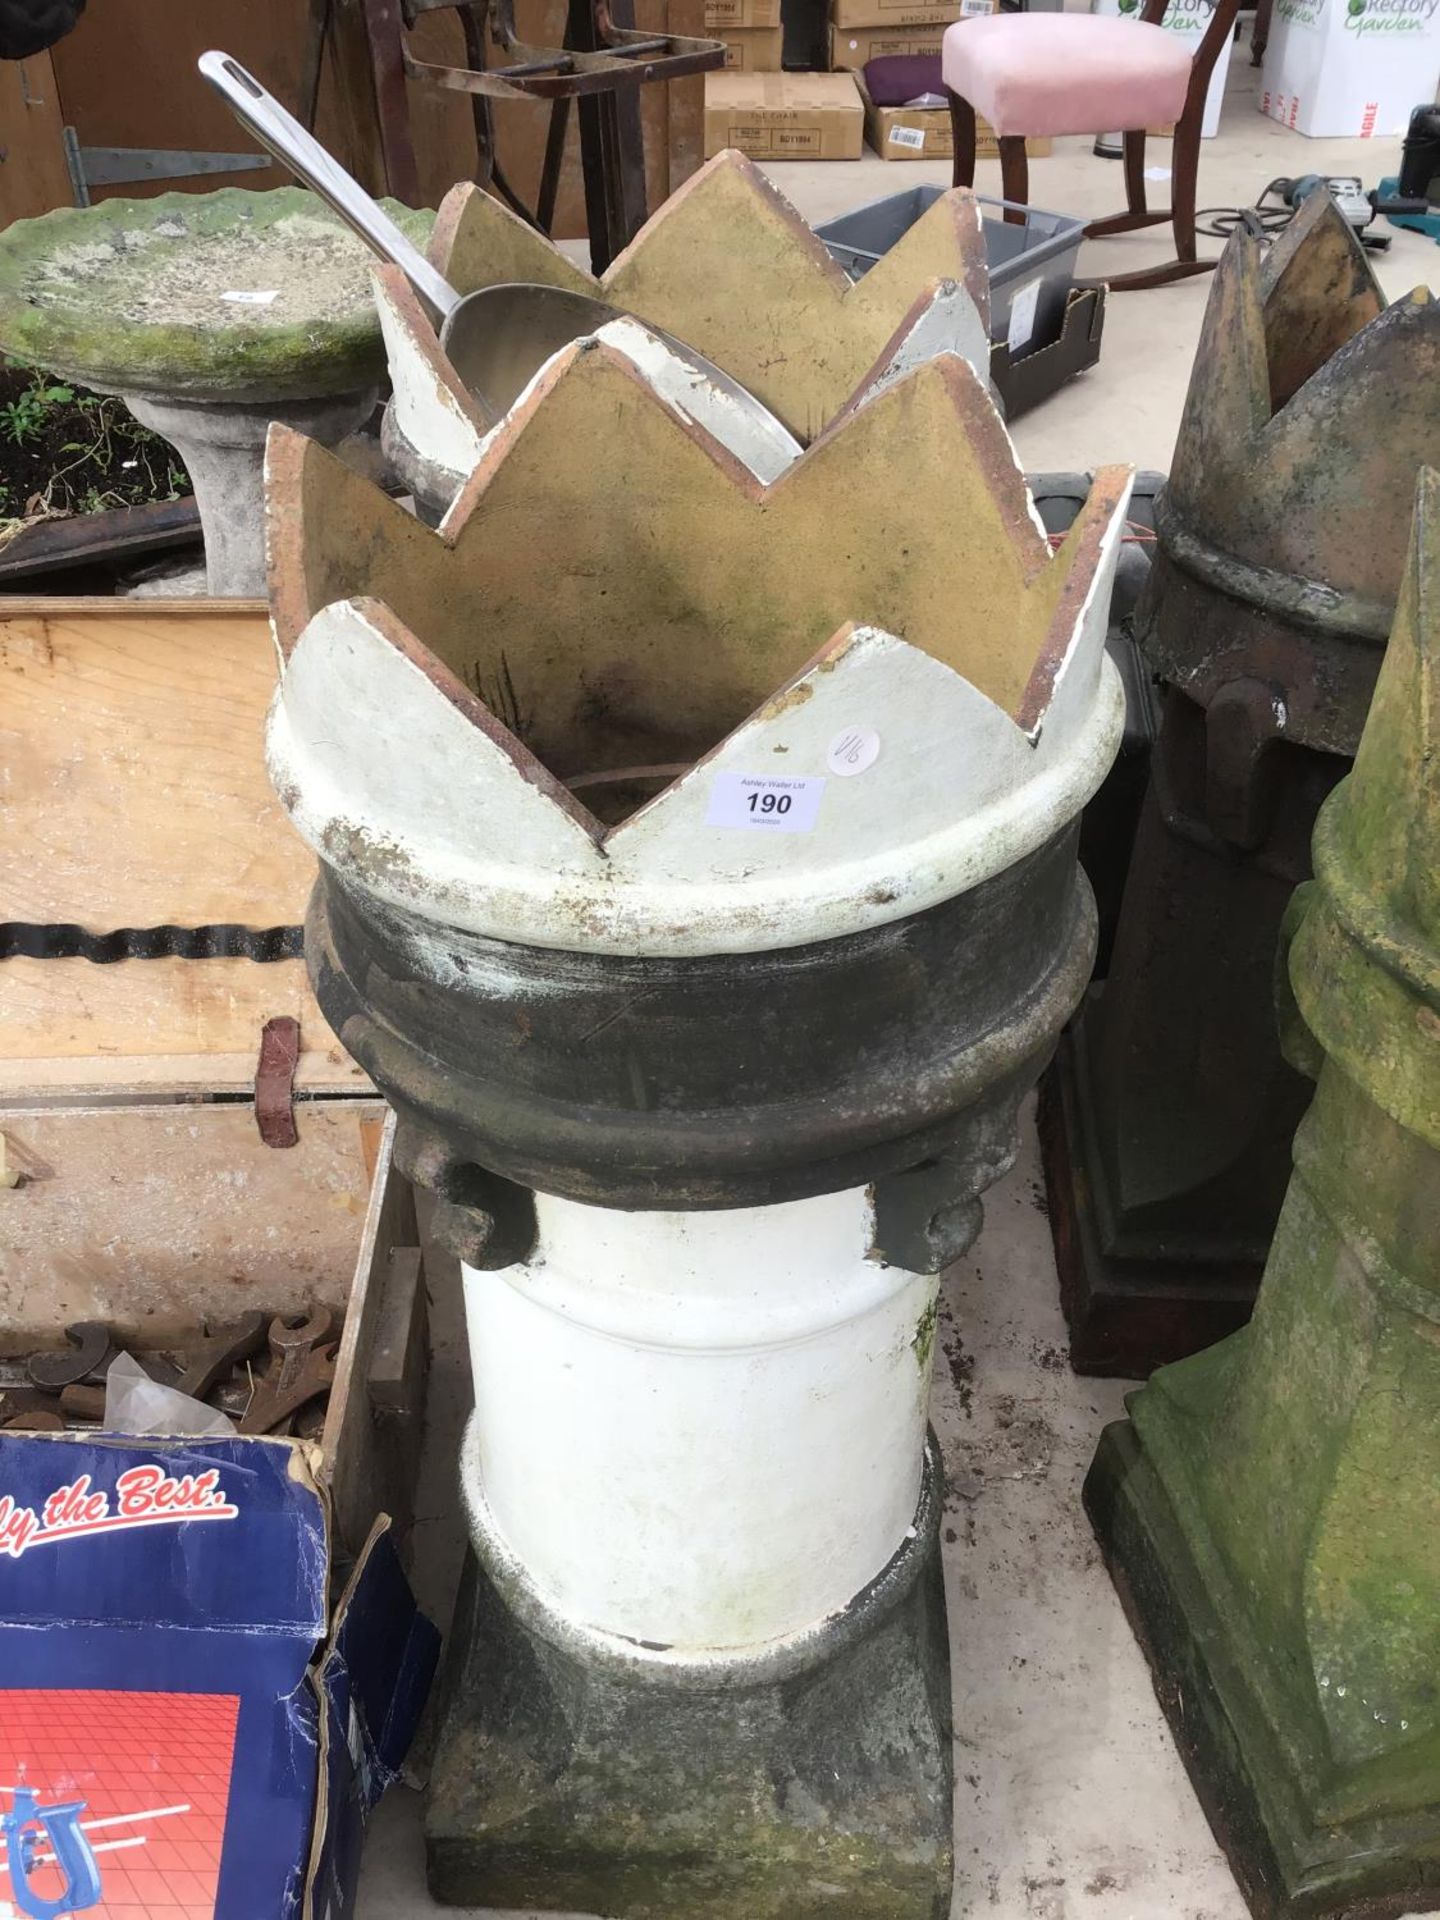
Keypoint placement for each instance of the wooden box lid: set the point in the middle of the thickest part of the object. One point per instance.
(133, 794)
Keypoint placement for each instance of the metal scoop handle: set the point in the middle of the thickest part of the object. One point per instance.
(282, 134)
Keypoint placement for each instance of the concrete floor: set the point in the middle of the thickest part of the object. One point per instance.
(1071, 1803)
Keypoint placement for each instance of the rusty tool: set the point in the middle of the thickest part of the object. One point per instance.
(207, 1362)
(309, 1423)
(275, 1404)
(80, 1402)
(15, 1401)
(233, 1396)
(90, 1352)
(293, 1338)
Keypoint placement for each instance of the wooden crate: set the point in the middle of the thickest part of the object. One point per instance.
(134, 795)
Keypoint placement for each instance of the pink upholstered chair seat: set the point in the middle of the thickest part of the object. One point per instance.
(1048, 73)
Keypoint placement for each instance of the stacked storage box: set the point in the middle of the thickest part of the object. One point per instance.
(764, 112)
(784, 116)
(752, 33)
(866, 30)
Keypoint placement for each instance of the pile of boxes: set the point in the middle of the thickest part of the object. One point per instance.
(772, 115)
(754, 38)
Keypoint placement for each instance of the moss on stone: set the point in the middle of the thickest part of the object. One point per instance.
(764, 1873)
(923, 1341)
(130, 295)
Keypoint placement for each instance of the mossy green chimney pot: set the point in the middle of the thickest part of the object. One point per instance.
(1271, 1509)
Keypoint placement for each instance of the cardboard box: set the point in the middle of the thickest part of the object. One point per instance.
(852, 48)
(746, 14)
(191, 1715)
(1350, 69)
(753, 49)
(924, 133)
(895, 13)
(1188, 20)
(784, 116)
(184, 1727)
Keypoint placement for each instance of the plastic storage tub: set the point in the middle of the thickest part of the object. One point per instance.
(1038, 252)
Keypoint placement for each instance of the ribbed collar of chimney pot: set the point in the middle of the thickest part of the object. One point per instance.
(730, 267)
(1311, 406)
(441, 688)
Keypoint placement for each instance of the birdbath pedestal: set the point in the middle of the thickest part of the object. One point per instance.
(210, 315)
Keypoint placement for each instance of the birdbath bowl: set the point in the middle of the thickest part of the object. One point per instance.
(211, 315)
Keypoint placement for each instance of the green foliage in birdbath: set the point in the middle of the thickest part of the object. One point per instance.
(66, 450)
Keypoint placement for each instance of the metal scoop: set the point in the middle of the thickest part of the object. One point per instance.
(498, 339)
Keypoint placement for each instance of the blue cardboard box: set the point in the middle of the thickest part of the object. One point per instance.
(187, 1731)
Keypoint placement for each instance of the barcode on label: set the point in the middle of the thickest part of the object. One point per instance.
(907, 137)
(968, 8)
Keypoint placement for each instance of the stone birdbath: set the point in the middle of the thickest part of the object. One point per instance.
(210, 315)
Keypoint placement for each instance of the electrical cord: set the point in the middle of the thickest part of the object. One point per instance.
(1270, 214)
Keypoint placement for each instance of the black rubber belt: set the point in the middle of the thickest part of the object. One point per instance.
(20, 940)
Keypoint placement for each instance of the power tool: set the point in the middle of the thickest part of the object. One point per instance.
(1420, 160)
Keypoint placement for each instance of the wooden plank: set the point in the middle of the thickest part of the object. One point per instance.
(371, 1455)
(33, 174)
(442, 124)
(187, 1025)
(131, 757)
(153, 1217)
(685, 105)
(127, 79)
(162, 40)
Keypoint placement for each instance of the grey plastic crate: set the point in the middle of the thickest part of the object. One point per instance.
(1042, 248)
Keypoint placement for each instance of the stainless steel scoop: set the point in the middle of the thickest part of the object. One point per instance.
(497, 339)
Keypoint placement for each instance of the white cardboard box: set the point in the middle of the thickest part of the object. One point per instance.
(1189, 19)
(1351, 69)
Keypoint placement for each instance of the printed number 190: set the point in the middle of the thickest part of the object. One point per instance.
(769, 802)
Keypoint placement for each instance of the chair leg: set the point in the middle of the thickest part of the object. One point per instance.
(1185, 169)
(1135, 171)
(1015, 177)
(963, 134)
(1260, 36)
(1185, 166)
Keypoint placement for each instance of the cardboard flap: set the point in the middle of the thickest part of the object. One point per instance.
(373, 1683)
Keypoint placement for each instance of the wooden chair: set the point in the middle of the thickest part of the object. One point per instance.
(1035, 74)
